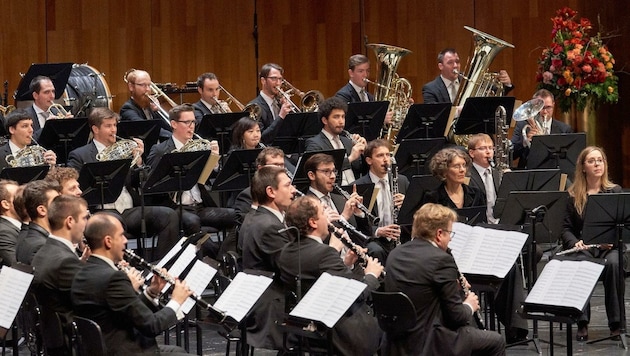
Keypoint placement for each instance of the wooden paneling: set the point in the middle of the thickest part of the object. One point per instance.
(177, 40)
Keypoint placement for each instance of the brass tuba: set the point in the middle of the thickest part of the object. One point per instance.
(389, 86)
(477, 81)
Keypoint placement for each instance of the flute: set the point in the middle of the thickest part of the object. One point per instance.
(466, 291)
(576, 249)
(131, 257)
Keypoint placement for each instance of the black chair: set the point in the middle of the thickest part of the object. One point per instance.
(394, 311)
(303, 336)
(30, 322)
(87, 339)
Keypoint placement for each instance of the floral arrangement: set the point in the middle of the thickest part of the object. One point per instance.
(576, 67)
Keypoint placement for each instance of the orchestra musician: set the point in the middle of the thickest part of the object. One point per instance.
(101, 292)
(160, 220)
(67, 178)
(482, 175)
(43, 91)
(378, 158)
(274, 108)
(245, 134)
(332, 113)
(591, 177)
(19, 126)
(209, 89)
(10, 222)
(356, 89)
(139, 107)
(428, 275)
(357, 332)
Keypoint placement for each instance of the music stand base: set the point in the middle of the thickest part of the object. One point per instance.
(622, 339)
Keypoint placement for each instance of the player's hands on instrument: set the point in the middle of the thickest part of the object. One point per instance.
(285, 109)
(398, 200)
(50, 157)
(335, 242)
(473, 301)
(134, 276)
(389, 118)
(357, 148)
(350, 258)
(214, 147)
(374, 267)
(504, 78)
(391, 232)
(157, 282)
(181, 292)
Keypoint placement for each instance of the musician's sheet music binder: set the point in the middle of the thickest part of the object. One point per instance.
(295, 129)
(328, 299)
(556, 151)
(197, 279)
(478, 114)
(471, 251)
(424, 121)
(14, 285)
(563, 288)
(366, 118)
(525, 180)
(241, 295)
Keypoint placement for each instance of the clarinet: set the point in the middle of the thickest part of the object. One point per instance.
(131, 257)
(374, 220)
(466, 291)
(576, 249)
(349, 244)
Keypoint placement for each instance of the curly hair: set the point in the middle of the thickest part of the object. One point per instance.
(441, 160)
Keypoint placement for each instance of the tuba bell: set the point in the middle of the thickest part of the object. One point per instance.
(477, 81)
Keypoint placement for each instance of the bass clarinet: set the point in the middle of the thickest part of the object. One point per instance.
(392, 170)
(466, 291)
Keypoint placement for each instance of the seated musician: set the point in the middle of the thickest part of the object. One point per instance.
(274, 107)
(482, 175)
(161, 221)
(140, 107)
(356, 89)
(209, 89)
(67, 178)
(10, 222)
(19, 126)
(245, 134)
(428, 275)
(378, 158)
(450, 166)
(43, 91)
(591, 177)
(262, 242)
(332, 112)
(100, 292)
(357, 332)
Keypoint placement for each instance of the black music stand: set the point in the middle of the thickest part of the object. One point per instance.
(366, 118)
(148, 131)
(23, 175)
(300, 178)
(419, 185)
(57, 72)
(556, 151)
(425, 121)
(473, 215)
(478, 114)
(297, 125)
(63, 136)
(533, 179)
(102, 182)
(413, 156)
(176, 172)
(607, 220)
(237, 172)
(219, 127)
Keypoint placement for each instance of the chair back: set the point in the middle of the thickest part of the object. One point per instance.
(87, 338)
(394, 311)
(29, 319)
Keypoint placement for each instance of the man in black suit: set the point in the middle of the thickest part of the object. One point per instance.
(356, 89)
(332, 112)
(197, 204)
(273, 108)
(161, 221)
(38, 195)
(139, 107)
(444, 87)
(19, 126)
(428, 275)
(317, 257)
(43, 91)
(482, 175)
(55, 265)
(100, 292)
(545, 118)
(10, 223)
(262, 243)
(378, 158)
(209, 89)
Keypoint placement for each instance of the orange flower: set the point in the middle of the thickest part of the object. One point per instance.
(610, 90)
(609, 65)
(567, 92)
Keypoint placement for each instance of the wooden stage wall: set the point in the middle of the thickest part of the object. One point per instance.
(175, 41)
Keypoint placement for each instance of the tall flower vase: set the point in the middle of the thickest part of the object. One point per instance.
(583, 121)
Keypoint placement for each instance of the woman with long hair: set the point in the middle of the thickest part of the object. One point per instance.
(591, 177)
(245, 134)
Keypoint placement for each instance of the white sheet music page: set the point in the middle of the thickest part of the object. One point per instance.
(485, 251)
(197, 280)
(565, 283)
(241, 295)
(182, 262)
(13, 287)
(328, 299)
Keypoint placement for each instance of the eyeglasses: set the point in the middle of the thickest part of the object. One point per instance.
(459, 166)
(484, 148)
(452, 233)
(144, 85)
(593, 161)
(328, 172)
(548, 107)
(188, 123)
(275, 79)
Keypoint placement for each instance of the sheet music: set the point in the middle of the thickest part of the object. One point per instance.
(484, 251)
(328, 299)
(211, 163)
(182, 262)
(13, 287)
(241, 295)
(170, 254)
(197, 280)
(565, 283)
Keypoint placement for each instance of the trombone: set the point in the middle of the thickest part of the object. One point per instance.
(154, 97)
(310, 100)
(252, 108)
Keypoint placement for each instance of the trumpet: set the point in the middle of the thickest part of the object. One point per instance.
(132, 258)
(57, 110)
(374, 220)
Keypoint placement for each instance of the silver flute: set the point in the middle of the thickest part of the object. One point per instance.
(576, 249)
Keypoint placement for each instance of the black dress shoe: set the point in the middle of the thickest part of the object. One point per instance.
(582, 333)
(515, 335)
